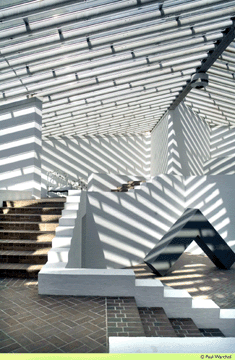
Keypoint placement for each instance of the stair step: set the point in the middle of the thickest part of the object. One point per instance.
(38, 256)
(24, 245)
(123, 318)
(54, 202)
(20, 270)
(32, 210)
(28, 225)
(155, 322)
(185, 327)
(211, 332)
(21, 226)
(30, 218)
(27, 234)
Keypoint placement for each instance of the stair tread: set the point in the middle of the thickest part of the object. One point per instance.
(21, 241)
(28, 222)
(27, 231)
(24, 253)
(17, 266)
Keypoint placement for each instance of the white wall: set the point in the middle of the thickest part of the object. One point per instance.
(121, 228)
(222, 150)
(82, 156)
(222, 141)
(20, 139)
(189, 142)
(159, 148)
(14, 195)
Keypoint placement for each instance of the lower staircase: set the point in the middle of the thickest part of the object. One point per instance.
(127, 320)
(27, 228)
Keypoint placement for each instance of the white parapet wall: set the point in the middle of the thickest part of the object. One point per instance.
(54, 280)
(13, 195)
(167, 345)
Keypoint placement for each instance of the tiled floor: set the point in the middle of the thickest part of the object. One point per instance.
(66, 324)
(57, 324)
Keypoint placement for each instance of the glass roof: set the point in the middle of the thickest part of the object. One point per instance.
(108, 67)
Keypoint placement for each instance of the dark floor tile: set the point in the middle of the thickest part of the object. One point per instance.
(82, 349)
(9, 348)
(71, 346)
(66, 338)
(36, 345)
(54, 340)
(99, 350)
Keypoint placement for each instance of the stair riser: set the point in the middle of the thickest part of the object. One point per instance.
(27, 236)
(23, 274)
(30, 259)
(28, 218)
(24, 247)
(27, 226)
(18, 204)
(33, 210)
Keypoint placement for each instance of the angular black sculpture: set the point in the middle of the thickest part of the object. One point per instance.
(191, 226)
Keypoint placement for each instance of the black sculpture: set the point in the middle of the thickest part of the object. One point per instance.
(191, 226)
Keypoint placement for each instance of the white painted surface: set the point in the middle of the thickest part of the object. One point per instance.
(14, 195)
(82, 156)
(222, 141)
(121, 228)
(159, 148)
(88, 282)
(75, 253)
(20, 146)
(171, 345)
(223, 165)
(188, 142)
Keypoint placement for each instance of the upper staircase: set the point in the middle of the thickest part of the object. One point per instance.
(27, 228)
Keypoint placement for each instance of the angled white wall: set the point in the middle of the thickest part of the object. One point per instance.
(20, 145)
(82, 156)
(180, 144)
(189, 143)
(121, 228)
(159, 148)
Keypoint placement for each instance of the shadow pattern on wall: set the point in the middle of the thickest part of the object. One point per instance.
(122, 227)
(81, 156)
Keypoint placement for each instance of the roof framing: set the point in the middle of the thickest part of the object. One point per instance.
(110, 67)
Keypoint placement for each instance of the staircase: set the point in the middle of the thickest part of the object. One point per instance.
(129, 186)
(125, 319)
(27, 228)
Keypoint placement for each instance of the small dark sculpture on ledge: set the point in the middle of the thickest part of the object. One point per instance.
(191, 226)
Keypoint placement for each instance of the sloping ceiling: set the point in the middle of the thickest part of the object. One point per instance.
(216, 103)
(113, 67)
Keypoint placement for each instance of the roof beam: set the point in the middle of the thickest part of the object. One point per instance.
(213, 55)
